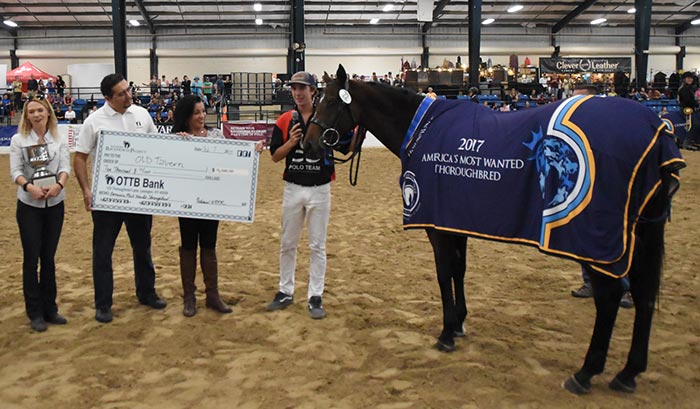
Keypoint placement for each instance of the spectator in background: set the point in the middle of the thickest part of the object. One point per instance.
(654, 94)
(154, 84)
(32, 87)
(687, 91)
(50, 87)
(57, 111)
(70, 114)
(207, 88)
(430, 94)
(197, 87)
(164, 85)
(474, 94)
(68, 99)
(186, 85)
(60, 86)
(176, 86)
(219, 87)
(17, 92)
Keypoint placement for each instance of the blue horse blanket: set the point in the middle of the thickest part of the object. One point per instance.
(676, 123)
(570, 178)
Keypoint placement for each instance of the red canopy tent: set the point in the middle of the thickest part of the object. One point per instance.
(24, 73)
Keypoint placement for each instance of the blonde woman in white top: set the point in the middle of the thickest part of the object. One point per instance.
(39, 210)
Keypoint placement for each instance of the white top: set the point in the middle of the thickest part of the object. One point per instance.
(59, 162)
(134, 119)
(69, 115)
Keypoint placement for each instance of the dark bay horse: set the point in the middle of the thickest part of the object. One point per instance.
(563, 154)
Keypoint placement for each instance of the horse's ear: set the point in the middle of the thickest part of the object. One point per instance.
(340, 75)
(326, 77)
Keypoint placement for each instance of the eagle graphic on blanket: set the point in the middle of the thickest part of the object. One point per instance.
(570, 178)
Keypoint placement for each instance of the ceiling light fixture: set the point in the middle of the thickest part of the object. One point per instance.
(134, 23)
(488, 21)
(695, 22)
(388, 7)
(632, 10)
(10, 23)
(515, 8)
(599, 21)
(257, 7)
(258, 21)
(374, 21)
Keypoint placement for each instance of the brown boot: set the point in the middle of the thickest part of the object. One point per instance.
(188, 269)
(210, 268)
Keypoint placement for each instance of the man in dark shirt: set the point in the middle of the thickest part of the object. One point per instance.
(32, 86)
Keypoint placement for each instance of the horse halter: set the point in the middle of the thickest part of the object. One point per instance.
(330, 136)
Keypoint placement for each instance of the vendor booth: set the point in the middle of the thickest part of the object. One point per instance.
(598, 71)
(25, 72)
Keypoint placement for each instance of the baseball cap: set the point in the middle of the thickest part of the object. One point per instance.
(196, 77)
(303, 78)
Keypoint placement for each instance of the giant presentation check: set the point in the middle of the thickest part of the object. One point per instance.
(171, 175)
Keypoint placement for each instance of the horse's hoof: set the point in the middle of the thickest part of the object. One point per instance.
(460, 333)
(573, 386)
(617, 385)
(443, 347)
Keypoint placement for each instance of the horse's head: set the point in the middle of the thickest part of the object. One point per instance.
(333, 118)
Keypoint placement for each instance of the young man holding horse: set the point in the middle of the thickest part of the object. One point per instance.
(307, 197)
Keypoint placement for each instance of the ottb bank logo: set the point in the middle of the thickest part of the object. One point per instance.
(565, 167)
(411, 193)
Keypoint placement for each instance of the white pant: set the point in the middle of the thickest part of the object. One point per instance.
(313, 204)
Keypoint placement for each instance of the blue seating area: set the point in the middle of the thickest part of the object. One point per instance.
(657, 105)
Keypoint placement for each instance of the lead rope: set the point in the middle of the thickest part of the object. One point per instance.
(361, 133)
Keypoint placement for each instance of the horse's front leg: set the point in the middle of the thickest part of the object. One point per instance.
(445, 249)
(607, 292)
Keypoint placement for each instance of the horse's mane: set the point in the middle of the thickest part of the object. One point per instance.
(396, 92)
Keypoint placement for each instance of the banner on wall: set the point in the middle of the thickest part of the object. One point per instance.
(576, 65)
(248, 131)
(6, 133)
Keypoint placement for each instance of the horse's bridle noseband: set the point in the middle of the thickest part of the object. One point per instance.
(330, 136)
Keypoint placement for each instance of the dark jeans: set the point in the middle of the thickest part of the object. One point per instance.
(18, 101)
(39, 230)
(106, 226)
(192, 230)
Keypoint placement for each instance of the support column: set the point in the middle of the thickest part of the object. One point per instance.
(425, 56)
(642, 30)
(474, 22)
(296, 55)
(119, 33)
(153, 58)
(14, 60)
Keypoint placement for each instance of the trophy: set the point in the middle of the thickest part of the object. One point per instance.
(39, 159)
